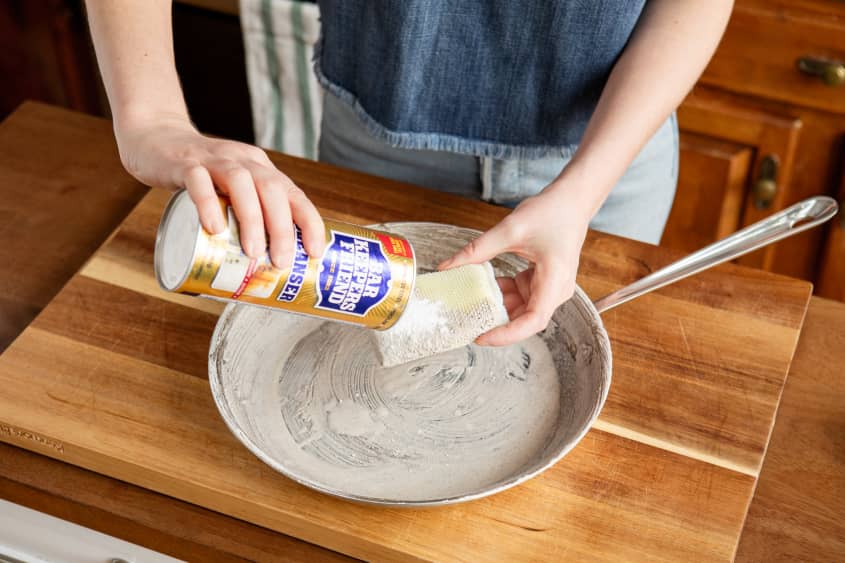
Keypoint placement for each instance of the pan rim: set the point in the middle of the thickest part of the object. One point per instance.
(606, 372)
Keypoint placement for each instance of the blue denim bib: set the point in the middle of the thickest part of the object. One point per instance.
(498, 78)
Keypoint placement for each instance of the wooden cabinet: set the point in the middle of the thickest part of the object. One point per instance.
(831, 279)
(711, 191)
(44, 46)
(726, 147)
(45, 54)
(764, 42)
(761, 132)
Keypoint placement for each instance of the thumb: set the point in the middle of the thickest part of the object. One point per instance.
(485, 247)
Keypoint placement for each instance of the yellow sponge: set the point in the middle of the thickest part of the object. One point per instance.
(447, 310)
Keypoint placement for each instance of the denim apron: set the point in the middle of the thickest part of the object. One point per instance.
(485, 98)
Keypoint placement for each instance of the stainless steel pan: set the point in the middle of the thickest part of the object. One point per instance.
(307, 397)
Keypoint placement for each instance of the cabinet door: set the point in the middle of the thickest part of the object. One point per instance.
(831, 278)
(44, 45)
(711, 192)
(771, 140)
(781, 50)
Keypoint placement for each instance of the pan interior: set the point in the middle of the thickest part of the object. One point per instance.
(310, 399)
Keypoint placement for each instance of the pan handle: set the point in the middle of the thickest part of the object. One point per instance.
(791, 221)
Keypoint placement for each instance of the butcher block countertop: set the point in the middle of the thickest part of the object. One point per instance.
(108, 421)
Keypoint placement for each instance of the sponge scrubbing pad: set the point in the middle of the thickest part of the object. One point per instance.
(447, 310)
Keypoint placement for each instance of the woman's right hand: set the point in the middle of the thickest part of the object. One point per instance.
(169, 152)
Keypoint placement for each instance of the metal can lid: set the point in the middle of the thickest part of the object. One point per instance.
(176, 242)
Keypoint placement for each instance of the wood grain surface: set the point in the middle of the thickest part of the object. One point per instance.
(765, 39)
(111, 377)
(39, 176)
(141, 516)
(711, 192)
(831, 282)
(80, 212)
(797, 513)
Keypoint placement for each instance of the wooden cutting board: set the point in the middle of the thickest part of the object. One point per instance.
(112, 377)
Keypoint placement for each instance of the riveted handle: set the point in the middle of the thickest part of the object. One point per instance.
(831, 72)
(765, 188)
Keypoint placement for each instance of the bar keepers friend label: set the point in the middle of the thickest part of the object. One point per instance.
(364, 276)
(354, 275)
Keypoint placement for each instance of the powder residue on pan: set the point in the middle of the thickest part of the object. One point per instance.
(433, 427)
(320, 403)
(309, 397)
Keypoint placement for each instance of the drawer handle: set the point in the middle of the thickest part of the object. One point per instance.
(766, 187)
(831, 72)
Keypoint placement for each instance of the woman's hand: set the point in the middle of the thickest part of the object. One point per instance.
(167, 151)
(548, 230)
(159, 146)
(672, 39)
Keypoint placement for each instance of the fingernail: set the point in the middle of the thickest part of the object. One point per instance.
(282, 260)
(217, 225)
(313, 248)
(251, 248)
(318, 252)
(213, 226)
(320, 247)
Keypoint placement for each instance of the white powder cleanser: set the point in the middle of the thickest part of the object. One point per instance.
(429, 428)
(451, 416)
(447, 310)
(314, 396)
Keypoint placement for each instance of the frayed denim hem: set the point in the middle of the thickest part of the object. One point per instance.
(435, 141)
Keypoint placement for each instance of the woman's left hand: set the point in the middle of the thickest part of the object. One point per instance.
(548, 230)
